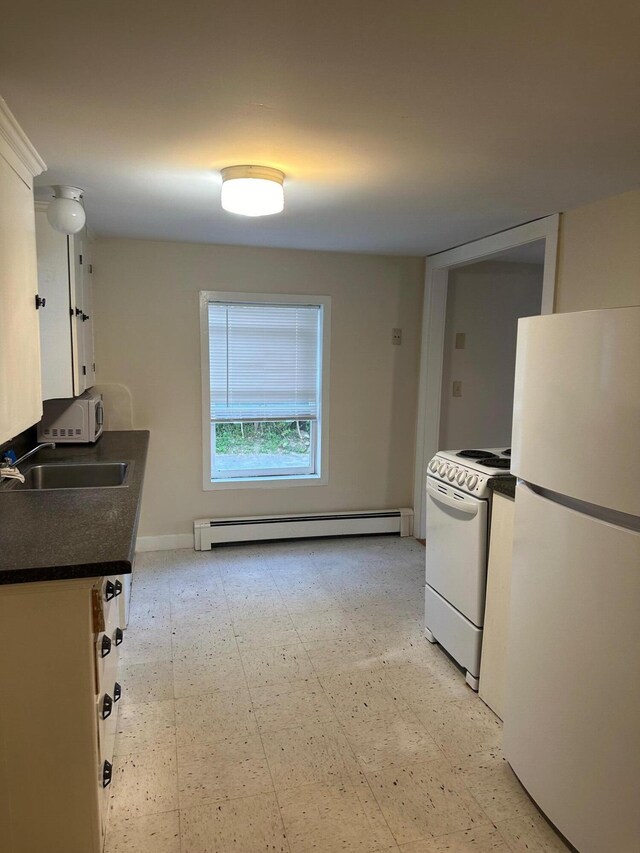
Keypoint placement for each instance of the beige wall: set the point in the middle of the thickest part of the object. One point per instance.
(147, 340)
(484, 301)
(599, 255)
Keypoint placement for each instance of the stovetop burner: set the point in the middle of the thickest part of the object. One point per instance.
(473, 454)
(495, 462)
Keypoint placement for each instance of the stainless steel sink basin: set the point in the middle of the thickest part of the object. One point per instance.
(73, 475)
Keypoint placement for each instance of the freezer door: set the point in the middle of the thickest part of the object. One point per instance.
(457, 548)
(576, 421)
(572, 707)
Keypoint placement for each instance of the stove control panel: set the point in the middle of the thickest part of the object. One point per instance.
(460, 476)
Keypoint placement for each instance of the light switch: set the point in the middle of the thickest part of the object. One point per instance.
(461, 340)
(396, 337)
(457, 389)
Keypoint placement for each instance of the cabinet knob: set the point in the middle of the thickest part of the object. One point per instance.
(117, 692)
(105, 647)
(118, 587)
(119, 636)
(41, 301)
(109, 591)
(107, 706)
(107, 772)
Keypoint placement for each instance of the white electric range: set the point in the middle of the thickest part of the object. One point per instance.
(458, 516)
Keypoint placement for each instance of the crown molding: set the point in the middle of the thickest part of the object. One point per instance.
(15, 138)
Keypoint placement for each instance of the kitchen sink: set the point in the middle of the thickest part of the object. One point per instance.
(73, 475)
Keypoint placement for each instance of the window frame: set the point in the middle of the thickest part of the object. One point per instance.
(321, 449)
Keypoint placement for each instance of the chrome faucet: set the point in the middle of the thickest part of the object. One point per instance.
(10, 470)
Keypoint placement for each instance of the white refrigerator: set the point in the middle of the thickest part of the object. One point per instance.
(572, 714)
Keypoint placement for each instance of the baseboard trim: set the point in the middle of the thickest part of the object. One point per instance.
(171, 542)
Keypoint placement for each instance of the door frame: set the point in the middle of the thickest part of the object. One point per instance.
(433, 331)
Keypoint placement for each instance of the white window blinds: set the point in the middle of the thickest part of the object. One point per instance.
(264, 361)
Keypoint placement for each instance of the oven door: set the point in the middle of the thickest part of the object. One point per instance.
(457, 548)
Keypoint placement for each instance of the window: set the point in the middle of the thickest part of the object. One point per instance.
(264, 388)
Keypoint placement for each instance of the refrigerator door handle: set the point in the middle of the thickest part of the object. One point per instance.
(457, 503)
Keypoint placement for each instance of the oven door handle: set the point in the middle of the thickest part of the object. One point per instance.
(461, 505)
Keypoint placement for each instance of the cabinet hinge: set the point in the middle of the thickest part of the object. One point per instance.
(93, 367)
(84, 369)
(90, 267)
(80, 259)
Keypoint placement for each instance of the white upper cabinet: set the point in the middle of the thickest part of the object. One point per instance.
(66, 320)
(20, 391)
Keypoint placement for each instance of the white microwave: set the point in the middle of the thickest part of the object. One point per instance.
(80, 420)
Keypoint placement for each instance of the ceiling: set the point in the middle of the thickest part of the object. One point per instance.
(403, 127)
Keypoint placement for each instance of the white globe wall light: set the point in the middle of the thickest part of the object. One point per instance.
(66, 213)
(252, 190)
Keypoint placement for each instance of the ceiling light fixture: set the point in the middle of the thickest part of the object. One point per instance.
(66, 213)
(252, 190)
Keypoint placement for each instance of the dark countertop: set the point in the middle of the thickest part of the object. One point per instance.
(504, 486)
(61, 534)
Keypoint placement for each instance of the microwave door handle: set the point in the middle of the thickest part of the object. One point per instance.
(461, 505)
(99, 414)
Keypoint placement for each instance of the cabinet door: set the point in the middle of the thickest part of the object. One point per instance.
(55, 319)
(20, 399)
(76, 291)
(87, 308)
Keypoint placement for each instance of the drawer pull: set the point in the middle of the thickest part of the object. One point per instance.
(117, 692)
(107, 706)
(119, 636)
(105, 647)
(118, 587)
(107, 772)
(109, 591)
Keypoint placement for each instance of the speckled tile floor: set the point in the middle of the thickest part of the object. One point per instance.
(281, 697)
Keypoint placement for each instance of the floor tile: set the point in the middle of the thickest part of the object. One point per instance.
(350, 654)
(203, 634)
(146, 682)
(396, 741)
(361, 696)
(195, 675)
(145, 726)
(247, 825)
(495, 786)
(275, 664)
(422, 685)
(461, 727)
(258, 633)
(424, 800)
(156, 833)
(283, 706)
(313, 625)
(144, 783)
(483, 839)
(532, 835)
(317, 753)
(212, 717)
(340, 818)
(144, 645)
(224, 770)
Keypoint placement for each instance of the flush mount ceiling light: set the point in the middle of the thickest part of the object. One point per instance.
(66, 213)
(252, 190)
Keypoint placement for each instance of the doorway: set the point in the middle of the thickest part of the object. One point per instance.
(450, 276)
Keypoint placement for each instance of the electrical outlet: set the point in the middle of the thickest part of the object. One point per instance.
(396, 337)
(457, 389)
(461, 340)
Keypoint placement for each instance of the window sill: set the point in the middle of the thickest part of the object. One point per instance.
(267, 482)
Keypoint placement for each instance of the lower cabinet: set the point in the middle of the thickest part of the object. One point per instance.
(60, 691)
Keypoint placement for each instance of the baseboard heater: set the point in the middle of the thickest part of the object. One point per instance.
(215, 531)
